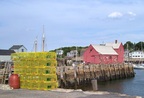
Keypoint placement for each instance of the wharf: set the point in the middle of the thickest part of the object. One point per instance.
(134, 60)
(60, 93)
(72, 77)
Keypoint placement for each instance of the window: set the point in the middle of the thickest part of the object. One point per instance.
(91, 50)
(22, 50)
(110, 57)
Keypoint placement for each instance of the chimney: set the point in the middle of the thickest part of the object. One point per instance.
(116, 41)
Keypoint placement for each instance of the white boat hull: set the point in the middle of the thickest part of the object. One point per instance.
(138, 66)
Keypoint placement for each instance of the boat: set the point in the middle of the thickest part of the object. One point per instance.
(140, 56)
(138, 66)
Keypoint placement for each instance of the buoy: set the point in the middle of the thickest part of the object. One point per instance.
(14, 81)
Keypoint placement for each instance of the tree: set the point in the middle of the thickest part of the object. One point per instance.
(134, 46)
(129, 45)
(68, 49)
(139, 46)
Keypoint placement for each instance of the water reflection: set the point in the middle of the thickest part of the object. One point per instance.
(131, 86)
(112, 86)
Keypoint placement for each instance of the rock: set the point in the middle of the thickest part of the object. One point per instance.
(5, 87)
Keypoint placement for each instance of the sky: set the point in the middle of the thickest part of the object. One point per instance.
(70, 22)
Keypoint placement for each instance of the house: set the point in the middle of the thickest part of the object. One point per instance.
(18, 48)
(104, 54)
(59, 52)
(5, 55)
(136, 54)
(72, 53)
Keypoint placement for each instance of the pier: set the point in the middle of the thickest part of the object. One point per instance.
(134, 60)
(71, 77)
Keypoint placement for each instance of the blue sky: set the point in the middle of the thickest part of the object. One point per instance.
(70, 22)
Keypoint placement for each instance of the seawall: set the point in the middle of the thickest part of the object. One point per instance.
(72, 77)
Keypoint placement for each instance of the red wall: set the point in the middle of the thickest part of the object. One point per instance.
(120, 52)
(92, 56)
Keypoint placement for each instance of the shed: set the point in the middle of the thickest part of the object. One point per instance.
(99, 54)
(18, 48)
(104, 53)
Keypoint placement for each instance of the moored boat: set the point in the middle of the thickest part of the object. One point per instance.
(138, 66)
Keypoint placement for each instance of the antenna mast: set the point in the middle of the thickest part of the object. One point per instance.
(43, 40)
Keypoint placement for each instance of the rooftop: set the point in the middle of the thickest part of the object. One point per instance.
(6, 52)
(105, 49)
(15, 47)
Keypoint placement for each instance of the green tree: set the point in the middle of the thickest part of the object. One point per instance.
(139, 46)
(129, 45)
(134, 46)
(68, 49)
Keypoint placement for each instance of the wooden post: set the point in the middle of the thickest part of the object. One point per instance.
(61, 72)
(75, 75)
(94, 85)
(61, 77)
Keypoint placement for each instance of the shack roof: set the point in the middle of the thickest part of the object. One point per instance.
(114, 45)
(107, 50)
(6, 52)
(16, 47)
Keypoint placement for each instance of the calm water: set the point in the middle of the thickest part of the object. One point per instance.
(133, 86)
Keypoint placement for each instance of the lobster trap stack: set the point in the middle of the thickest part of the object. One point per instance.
(37, 70)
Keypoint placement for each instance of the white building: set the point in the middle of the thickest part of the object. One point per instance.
(59, 52)
(136, 54)
(5, 55)
(18, 48)
(72, 53)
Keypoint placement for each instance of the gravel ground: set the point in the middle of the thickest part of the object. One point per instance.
(58, 93)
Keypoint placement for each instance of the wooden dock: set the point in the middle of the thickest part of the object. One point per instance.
(71, 77)
(134, 60)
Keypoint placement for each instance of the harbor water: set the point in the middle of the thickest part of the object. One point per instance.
(131, 86)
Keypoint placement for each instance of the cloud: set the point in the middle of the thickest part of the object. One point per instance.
(115, 15)
(73, 22)
(131, 13)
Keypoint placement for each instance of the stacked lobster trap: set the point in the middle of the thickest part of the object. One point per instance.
(37, 70)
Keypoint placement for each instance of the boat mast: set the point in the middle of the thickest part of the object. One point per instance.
(35, 45)
(141, 53)
(127, 53)
(76, 54)
(43, 40)
(141, 46)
